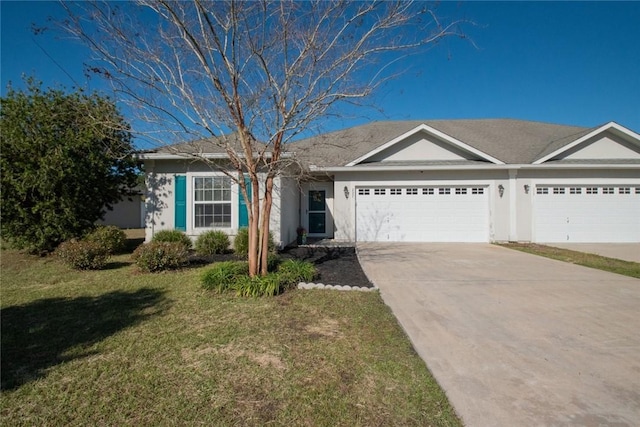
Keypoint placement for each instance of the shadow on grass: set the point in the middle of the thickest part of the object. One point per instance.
(48, 332)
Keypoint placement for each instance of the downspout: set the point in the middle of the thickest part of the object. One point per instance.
(513, 205)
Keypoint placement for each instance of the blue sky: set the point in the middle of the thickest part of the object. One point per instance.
(575, 63)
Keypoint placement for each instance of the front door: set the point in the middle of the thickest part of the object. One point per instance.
(317, 212)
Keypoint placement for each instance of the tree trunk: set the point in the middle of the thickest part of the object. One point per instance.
(254, 221)
(266, 215)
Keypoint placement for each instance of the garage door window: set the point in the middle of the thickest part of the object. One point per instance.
(427, 191)
(477, 191)
(592, 190)
(624, 190)
(575, 190)
(395, 191)
(412, 191)
(363, 191)
(558, 190)
(379, 191)
(542, 190)
(608, 190)
(444, 191)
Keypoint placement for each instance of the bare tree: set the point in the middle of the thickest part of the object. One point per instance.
(263, 71)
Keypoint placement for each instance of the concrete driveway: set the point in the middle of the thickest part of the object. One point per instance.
(516, 339)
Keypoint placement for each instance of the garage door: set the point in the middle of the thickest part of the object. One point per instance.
(587, 214)
(422, 214)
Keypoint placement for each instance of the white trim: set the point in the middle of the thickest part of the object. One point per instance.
(608, 126)
(434, 132)
(472, 167)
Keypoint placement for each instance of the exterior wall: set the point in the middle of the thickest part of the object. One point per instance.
(420, 146)
(160, 198)
(345, 208)
(603, 146)
(289, 209)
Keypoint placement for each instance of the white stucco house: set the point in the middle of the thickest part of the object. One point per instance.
(423, 181)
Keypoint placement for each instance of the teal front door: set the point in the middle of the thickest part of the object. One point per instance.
(317, 212)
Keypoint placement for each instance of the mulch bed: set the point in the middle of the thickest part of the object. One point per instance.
(336, 265)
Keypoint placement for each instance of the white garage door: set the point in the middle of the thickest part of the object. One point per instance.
(422, 214)
(587, 214)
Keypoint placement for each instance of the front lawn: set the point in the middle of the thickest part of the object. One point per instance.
(118, 347)
(627, 268)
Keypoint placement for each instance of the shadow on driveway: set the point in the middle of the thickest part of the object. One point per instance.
(36, 336)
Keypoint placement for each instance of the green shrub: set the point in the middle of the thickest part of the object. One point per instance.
(212, 242)
(241, 242)
(223, 275)
(83, 255)
(273, 261)
(293, 271)
(258, 286)
(172, 236)
(110, 237)
(158, 256)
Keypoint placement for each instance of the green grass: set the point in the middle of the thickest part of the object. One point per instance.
(627, 268)
(118, 347)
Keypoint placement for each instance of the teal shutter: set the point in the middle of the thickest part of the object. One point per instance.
(181, 203)
(243, 213)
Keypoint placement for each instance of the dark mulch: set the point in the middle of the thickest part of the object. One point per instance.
(336, 265)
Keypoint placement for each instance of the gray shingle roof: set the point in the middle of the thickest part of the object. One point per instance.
(511, 141)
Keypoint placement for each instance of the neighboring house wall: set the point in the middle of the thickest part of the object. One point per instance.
(126, 213)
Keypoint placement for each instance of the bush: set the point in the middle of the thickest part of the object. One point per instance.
(83, 255)
(110, 237)
(172, 236)
(223, 275)
(212, 242)
(241, 242)
(258, 286)
(293, 271)
(158, 256)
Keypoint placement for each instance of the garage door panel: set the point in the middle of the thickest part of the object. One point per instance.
(423, 217)
(605, 214)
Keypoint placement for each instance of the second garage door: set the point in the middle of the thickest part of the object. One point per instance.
(422, 214)
(590, 213)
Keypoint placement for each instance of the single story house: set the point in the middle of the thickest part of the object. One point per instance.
(422, 181)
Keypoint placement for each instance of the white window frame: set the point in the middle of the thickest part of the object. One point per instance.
(226, 199)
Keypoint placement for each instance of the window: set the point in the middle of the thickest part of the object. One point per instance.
(542, 190)
(592, 190)
(477, 190)
(461, 191)
(444, 191)
(395, 191)
(427, 191)
(575, 190)
(379, 191)
(607, 190)
(637, 190)
(412, 191)
(212, 202)
(558, 190)
(624, 190)
(363, 191)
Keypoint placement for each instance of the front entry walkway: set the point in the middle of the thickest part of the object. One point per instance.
(516, 339)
